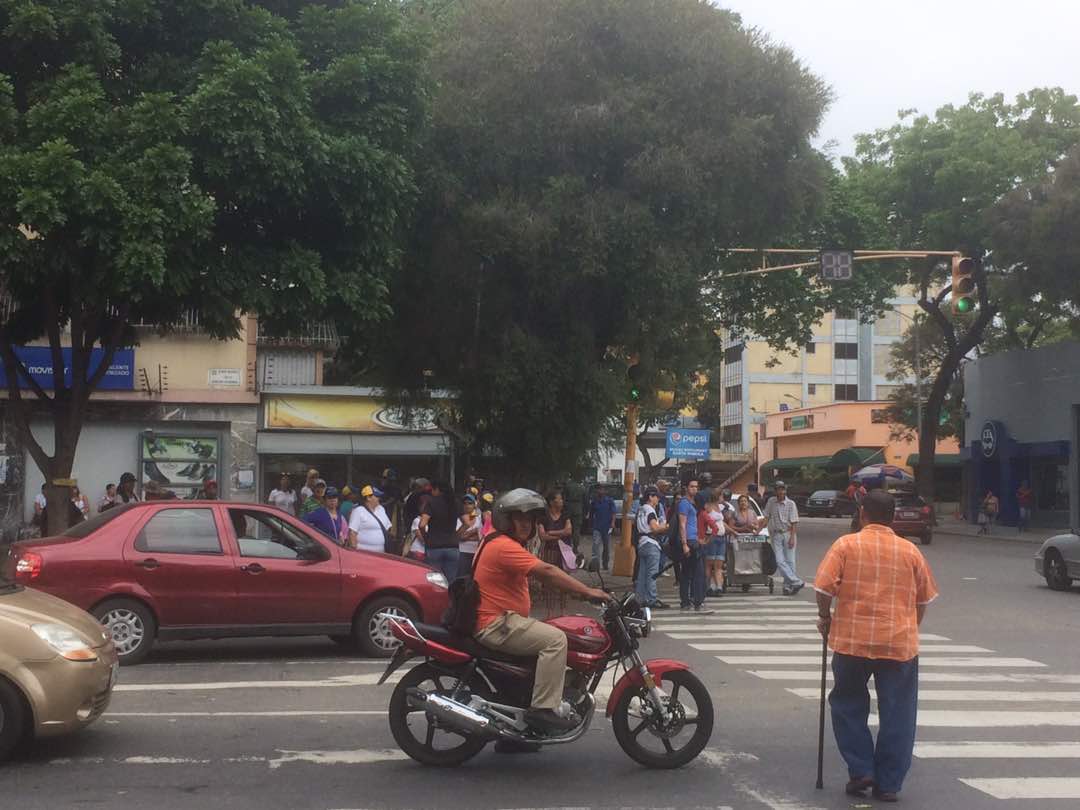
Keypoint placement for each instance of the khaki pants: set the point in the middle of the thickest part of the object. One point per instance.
(516, 635)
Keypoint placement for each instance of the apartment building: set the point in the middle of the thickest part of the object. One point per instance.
(845, 361)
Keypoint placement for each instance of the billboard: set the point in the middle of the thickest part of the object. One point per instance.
(684, 443)
(353, 414)
(38, 361)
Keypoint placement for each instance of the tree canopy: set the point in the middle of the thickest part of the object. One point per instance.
(589, 162)
(224, 156)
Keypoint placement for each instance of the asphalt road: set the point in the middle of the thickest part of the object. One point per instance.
(300, 724)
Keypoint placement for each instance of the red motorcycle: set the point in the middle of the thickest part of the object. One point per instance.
(445, 710)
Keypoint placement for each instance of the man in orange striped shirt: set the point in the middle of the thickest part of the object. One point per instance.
(882, 585)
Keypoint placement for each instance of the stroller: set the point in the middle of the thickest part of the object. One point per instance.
(750, 561)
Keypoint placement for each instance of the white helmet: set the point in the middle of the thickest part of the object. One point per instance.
(525, 501)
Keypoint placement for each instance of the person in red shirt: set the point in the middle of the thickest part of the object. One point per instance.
(1025, 499)
(502, 570)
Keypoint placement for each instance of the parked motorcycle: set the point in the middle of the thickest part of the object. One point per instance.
(445, 710)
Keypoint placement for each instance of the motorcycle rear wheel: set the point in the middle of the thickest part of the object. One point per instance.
(404, 719)
(630, 726)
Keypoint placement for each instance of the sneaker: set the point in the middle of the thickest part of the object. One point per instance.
(797, 587)
(658, 605)
(703, 611)
(788, 591)
(684, 608)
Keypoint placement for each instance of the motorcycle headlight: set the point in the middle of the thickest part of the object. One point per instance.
(65, 641)
(438, 580)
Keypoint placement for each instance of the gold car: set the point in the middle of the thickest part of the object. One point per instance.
(57, 665)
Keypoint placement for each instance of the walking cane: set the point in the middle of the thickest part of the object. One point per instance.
(821, 713)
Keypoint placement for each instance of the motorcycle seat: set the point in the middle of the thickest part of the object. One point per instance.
(447, 637)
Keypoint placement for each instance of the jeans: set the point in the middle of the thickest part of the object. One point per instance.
(1024, 519)
(465, 561)
(444, 560)
(649, 555)
(897, 687)
(601, 547)
(785, 558)
(692, 581)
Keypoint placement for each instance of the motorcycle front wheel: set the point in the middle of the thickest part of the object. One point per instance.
(646, 739)
(418, 736)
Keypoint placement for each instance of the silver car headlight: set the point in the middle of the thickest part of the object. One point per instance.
(438, 580)
(65, 641)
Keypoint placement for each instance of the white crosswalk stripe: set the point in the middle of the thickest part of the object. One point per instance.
(774, 639)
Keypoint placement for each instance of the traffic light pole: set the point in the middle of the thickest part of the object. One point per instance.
(623, 561)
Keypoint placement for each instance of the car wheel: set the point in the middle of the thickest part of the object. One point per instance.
(131, 626)
(371, 629)
(1057, 576)
(13, 719)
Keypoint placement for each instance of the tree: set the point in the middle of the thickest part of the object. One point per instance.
(589, 163)
(923, 348)
(158, 157)
(933, 181)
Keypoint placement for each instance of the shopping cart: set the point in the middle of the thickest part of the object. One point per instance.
(750, 561)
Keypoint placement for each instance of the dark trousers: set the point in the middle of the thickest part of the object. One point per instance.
(897, 687)
(692, 581)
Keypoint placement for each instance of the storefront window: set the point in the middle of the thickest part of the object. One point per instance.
(1050, 482)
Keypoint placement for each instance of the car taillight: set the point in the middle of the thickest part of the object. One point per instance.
(28, 567)
(925, 511)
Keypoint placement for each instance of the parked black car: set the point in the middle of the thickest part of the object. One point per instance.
(829, 503)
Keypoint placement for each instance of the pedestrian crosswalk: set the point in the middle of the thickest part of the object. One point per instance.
(975, 703)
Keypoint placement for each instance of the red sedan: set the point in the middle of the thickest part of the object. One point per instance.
(206, 569)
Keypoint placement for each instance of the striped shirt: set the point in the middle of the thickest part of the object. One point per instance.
(878, 579)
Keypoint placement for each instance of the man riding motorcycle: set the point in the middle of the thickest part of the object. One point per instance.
(501, 573)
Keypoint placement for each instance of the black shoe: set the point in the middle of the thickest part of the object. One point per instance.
(658, 605)
(549, 721)
(515, 747)
(858, 787)
(796, 588)
(885, 795)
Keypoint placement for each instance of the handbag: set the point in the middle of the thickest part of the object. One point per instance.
(388, 545)
(569, 559)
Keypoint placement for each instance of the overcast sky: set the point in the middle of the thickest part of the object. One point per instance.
(883, 56)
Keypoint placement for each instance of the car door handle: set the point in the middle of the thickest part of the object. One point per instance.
(150, 563)
(253, 568)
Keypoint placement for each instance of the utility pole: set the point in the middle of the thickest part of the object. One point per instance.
(623, 562)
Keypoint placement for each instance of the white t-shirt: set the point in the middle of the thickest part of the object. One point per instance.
(418, 538)
(284, 500)
(305, 493)
(470, 546)
(39, 499)
(645, 515)
(369, 527)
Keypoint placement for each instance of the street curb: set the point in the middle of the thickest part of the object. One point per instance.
(1000, 538)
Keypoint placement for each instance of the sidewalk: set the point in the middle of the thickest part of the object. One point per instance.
(961, 528)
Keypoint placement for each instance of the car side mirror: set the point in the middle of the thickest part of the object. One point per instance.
(315, 554)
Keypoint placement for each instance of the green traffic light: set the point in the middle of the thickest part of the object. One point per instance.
(964, 305)
(635, 394)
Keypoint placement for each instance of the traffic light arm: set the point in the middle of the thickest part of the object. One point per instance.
(860, 256)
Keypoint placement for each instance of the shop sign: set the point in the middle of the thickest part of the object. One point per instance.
(120, 375)
(225, 377)
(353, 414)
(804, 422)
(990, 438)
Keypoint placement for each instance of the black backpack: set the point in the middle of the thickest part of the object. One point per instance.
(460, 616)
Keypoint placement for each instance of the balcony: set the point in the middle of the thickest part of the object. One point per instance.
(321, 335)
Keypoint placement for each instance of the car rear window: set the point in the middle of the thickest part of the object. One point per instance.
(88, 527)
(824, 493)
(908, 499)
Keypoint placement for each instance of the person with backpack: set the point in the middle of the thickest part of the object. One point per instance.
(499, 590)
(650, 529)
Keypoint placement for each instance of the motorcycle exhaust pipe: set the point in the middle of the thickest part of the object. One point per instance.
(454, 714)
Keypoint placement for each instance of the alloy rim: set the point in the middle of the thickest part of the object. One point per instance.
(126, 629)
(379, 628)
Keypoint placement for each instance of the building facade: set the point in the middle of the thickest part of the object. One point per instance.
(845, 361)
(1023, 424)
